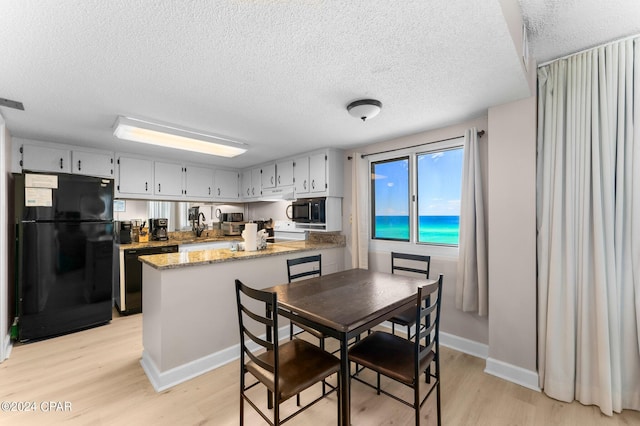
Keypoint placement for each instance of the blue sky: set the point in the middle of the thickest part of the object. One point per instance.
(439, 183)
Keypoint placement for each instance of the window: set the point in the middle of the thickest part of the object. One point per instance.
(439, 177)
(416, 197)
(390, 199)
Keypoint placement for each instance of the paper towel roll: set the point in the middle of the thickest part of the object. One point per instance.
(250, 235)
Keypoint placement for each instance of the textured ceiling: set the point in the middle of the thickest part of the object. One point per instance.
(276, 74)
(560, 27)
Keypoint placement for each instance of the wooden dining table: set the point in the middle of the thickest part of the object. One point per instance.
(345, 304)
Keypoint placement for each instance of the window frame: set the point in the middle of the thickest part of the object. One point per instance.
(372, 213)
(411, 246)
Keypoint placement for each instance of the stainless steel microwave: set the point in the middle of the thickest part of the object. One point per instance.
(309, 210)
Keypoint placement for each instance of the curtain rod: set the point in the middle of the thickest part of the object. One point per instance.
(480, 134)
(588, 49)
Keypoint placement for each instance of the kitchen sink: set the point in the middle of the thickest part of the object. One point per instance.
(204, 246)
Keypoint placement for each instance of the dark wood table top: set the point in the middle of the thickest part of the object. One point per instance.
(347, 300)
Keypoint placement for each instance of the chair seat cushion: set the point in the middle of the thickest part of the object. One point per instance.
(301, 365)
(406, 317)
(390, 355)
(316, 333)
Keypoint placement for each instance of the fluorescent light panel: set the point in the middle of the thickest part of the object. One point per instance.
(172, 137)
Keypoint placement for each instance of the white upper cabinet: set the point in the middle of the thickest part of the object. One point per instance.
(93, 163)
(227, 184)
(318, 173)
(45, 159)
(269, 176)
(168, 179)
(251, 183)
(284, 172)
(199, 182)
(301, 175)
(135, 176)
(56, 158)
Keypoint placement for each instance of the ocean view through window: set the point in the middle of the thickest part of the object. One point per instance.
(439, 177)
(432, 180)
(390, 199)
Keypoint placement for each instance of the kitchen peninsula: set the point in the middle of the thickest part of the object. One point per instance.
(190, 318)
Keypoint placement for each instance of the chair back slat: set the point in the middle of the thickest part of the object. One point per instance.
(424, 270)
(291, 263)
(257, 317)
(258, 341)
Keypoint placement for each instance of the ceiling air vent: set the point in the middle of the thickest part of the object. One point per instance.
(11, 104)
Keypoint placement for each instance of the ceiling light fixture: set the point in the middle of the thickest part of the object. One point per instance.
(364, 109)
(168, 136)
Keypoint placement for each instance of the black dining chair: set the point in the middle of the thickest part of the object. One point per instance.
(286, 369)
(414, 263)
(403, 360)
(305, 267)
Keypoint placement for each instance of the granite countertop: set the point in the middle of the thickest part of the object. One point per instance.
(204, 257)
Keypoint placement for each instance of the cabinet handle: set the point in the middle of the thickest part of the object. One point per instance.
(158, 187)
(278, 179)
(271, 180)
(247, 192)
(209, 190)
(61, 164)
(79, 165)
(304, 184)
(253, 191)
(146, 186)
(313, 184)
(218, 192)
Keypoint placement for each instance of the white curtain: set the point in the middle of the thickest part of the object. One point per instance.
(588, 223)
(359, 212)
(471, 283)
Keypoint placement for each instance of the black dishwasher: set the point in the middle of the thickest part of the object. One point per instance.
(129, 294)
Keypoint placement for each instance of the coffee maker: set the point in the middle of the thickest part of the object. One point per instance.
(158, 229)
(123, 232)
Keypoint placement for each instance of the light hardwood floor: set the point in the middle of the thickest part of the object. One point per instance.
(98, 372)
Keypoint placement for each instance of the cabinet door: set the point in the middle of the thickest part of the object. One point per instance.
(284, 170)
(45, 159)
(168, 179)
(199, 182)
(135, 176)
(318, 173)
(269, 176)
(246, 184)
(256, 182)
(226, 184)
(92, 163)
(301, 175)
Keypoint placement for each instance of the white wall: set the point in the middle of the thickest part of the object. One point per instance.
(512, 241)
(5, 167)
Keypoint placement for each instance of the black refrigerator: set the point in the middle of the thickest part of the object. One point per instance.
(64, 246)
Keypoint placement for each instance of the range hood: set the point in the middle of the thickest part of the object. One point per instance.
(277, 194)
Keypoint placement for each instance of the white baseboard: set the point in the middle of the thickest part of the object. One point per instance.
(162, 380)
(512, 373)
(463, 345)
(460, 344)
